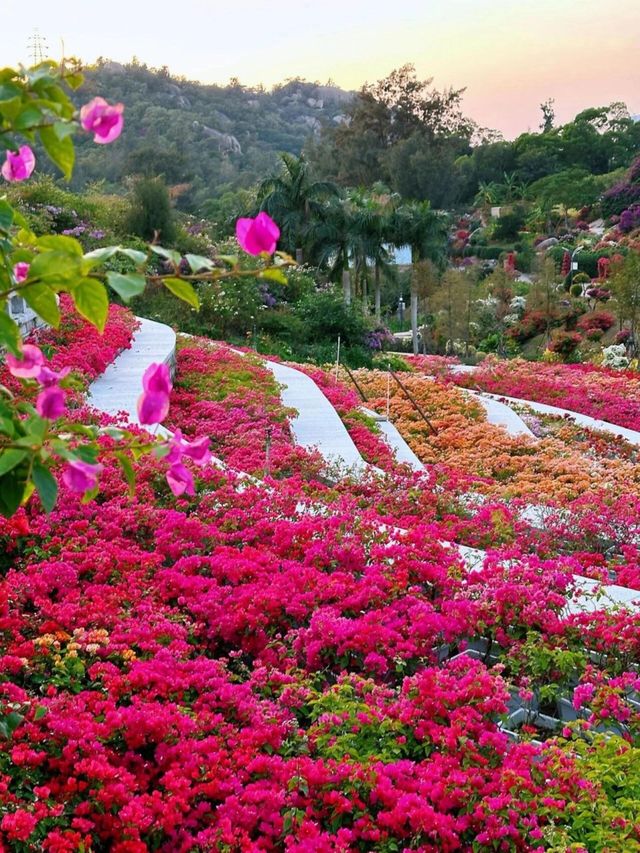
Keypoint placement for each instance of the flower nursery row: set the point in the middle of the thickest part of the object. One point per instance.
(230, 672)
(609, 395)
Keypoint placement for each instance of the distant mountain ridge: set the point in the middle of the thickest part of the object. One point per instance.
(206, 136)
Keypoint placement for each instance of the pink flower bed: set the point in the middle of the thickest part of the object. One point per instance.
(226, 672)
(609, 395)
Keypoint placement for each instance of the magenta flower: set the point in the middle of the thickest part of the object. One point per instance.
(46, 376)
(197, 450)
(29, 365)
(258, 235)
(50, 402)
(81, 476)
(21, 271)
(157, 379)
(153, 404)
(180, 480)
(18, 167)
(104, 120)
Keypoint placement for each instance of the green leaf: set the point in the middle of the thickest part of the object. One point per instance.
(135, 255)
(62, 129)
(274, 274)
(12, 489)
(43, 301)
(75, 80)
(127, 470)
(60, 268)
(61, 243)
(46, 486)
(126, 286)
(98, 256)
(9, 333)
(169, 254)
(232, 260)
(10, 107)
(199, 262)
(6, 215)
(10, 458)
(29, 116)
(40, 712)
(59, 150)
(183, 290)
(91, 300)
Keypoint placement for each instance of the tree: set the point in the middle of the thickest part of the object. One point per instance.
(625, 284)
(423, 229)
(548, 115)
(151, 214)
(291, 197)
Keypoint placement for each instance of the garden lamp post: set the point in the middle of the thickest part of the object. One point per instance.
(574, 264)
(401, 312)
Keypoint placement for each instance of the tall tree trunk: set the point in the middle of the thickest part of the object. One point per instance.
(346, 285)
(377, 294)
(365, 292)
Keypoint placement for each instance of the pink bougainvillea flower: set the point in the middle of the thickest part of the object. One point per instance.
(46, 376)
(102, 119)
(21, 271)
(50, 402)
(19, 166)
(157, 379)
(197, 450)
(152, 408)
(180, 480)
(81, 476)
(153, 404)
(29, 365)
(258, 235)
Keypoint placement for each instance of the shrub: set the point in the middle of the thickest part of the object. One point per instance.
(151, 211)
(596, 320)
(565, 343)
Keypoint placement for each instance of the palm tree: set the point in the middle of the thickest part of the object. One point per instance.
(329, 240)
(292, 199)
(424, 230)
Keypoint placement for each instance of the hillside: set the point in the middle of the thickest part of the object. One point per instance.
(210, 137)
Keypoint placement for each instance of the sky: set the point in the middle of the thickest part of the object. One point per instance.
(509, 54)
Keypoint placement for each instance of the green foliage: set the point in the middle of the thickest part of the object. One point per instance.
(151, 215)
(509, 224)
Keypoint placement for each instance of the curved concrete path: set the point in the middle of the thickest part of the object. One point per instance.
(119, 387)
(500, 414)
(631, 435)
(316, 425)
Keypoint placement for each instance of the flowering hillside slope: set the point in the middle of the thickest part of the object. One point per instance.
(277, 666)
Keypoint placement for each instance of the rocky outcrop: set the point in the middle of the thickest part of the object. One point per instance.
(226, 142)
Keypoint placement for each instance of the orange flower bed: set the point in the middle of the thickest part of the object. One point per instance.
(510, 467)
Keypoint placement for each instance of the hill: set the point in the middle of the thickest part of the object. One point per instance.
(208, 138)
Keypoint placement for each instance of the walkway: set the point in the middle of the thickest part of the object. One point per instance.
(502, 415)
(317, 425)
(631, 435)
(119, 387)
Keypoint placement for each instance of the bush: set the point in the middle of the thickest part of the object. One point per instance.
(492, 253)
(596, 320)
(509, 224)
(151, 211)
(565, 343)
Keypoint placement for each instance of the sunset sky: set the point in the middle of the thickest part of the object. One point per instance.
(510, 54)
